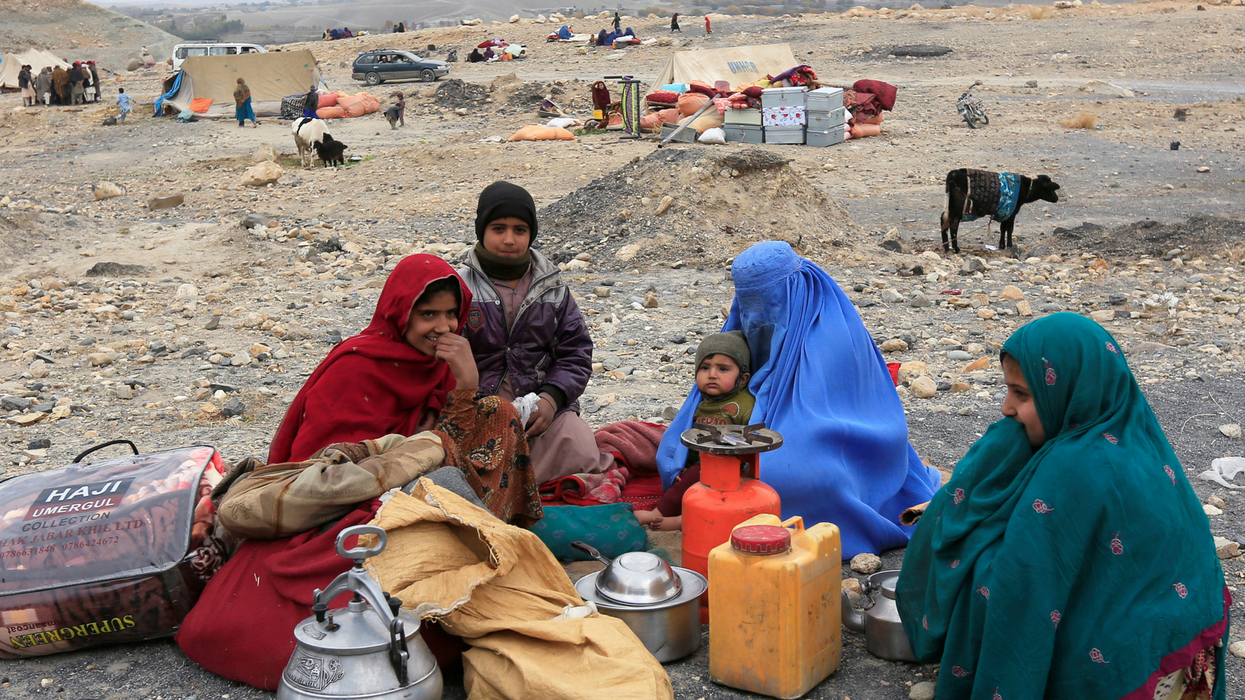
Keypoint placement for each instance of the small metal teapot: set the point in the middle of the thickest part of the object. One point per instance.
(879, 619)
(369, 649)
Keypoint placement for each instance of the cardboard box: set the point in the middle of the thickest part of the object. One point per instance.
(751, 117)
(822, 121)
(784, 134)
(783, 97)
(821, 139)
(783, 116)
(825, 99)
(744, 133)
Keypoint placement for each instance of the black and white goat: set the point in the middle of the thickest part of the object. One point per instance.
(309, 134)
(976, 193)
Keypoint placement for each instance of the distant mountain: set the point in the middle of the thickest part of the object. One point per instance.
(78, 30)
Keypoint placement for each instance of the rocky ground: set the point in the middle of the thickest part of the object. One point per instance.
(198, 323)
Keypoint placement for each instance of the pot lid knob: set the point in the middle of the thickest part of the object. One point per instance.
(761, 539)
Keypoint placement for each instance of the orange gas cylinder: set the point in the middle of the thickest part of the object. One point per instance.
(729, 491)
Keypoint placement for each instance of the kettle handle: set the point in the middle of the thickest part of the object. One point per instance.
(360, 554)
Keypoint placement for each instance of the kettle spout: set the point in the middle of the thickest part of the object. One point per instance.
(853, 617)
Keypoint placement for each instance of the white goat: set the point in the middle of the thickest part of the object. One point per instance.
(307, 133)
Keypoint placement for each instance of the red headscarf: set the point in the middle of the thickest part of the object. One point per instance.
(374, 383)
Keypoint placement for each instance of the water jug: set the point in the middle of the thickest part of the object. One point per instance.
(775, 609)
(729, 491)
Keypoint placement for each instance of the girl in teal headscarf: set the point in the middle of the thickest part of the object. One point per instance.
(1068, 557)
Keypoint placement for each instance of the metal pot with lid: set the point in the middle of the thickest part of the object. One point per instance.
(369, 649)
(879, 619)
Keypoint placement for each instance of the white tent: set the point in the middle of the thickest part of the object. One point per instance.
(270, 76)
(36, 59)
(738, 65)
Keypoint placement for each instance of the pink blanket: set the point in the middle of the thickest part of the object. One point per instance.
(634, 443)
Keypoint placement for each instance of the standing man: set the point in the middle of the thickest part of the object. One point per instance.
(76, 95)
(26, 84)
(311, 102)
(674, 24)
(617, 23)
(43, 85)
(60, 86)
(94, 79)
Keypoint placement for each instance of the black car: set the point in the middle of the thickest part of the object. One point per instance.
(384, 65)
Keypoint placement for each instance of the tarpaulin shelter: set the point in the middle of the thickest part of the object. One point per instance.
(741, 64)
(12, 64)
(271, 76)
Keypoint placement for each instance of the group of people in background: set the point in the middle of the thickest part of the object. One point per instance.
(58, 86)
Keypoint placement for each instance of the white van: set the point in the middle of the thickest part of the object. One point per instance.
(183, 51)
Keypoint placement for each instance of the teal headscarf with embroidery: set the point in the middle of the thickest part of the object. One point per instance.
(1084, 569)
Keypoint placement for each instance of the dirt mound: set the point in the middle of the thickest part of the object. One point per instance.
(1200, 236)
(721, 200)
(455, 94)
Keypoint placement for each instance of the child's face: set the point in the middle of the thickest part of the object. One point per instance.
(508, 237)
(431, 319)
(1019, 402)
(717, 375)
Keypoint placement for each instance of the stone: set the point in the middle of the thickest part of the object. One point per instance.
(911, 370)
(960, 386)
(1216, 501)
(923, 387)
(232, 407)
(262, 174)
(258, 349)
(866, 563)
(240, 359)
(1226, 548)
(664, 205)
(650, 301)
(978, 364)
(1211, 510)
(851, 584)
(894, 242)
(890, 296)
(107, 190)
(602, 292)
(513, 19)
(959, 356)
(979, 300)
(919, 301)
(40, 444)
(166, 201)
(124, 391)
(1050, 308)
(38, 369)
(27, 418)
(15, 403)
(1100, 87)
(1011, 293)
(1023, 308)
(1232, 431)
(264, 153)
(1103, 315)
(112, 269)
(187, 291)
(1237, 649)
(924, 690)
(99, 359)
(986, 314)
(894, 345)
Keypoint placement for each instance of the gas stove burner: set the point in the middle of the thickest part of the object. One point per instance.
(731, 439)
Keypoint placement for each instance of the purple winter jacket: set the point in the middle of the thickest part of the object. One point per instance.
(549, 344)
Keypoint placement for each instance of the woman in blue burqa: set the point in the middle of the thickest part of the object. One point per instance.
(821, 382)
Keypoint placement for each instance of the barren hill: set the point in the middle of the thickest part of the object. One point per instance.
(75, 29)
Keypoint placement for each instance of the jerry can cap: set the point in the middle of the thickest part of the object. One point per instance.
(761, 539)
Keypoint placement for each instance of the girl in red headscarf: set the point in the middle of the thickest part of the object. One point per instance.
(410, 370)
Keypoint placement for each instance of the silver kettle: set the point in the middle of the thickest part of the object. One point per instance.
(369, 649)
(879, 619)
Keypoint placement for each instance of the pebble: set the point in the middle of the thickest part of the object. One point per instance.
(124, 391)
(959, 356)
(923, 387)
(1011, 293)
(866, 563)
(1237, 649)
(966, 411)
(919, 301)
(1050, 308)
(894, 345)
(1216, 501)
(1211, 510)
(38, 369)
(1232, 431)
(924, 690)
(233, 407)
(986, 314)
(1226, 548)
(891, 296)
(650, 301)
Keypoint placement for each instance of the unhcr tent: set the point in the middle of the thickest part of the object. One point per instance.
(12, 64)
(742, 64)
(271, 76)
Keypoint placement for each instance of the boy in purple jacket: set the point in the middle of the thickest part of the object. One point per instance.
(527, 334)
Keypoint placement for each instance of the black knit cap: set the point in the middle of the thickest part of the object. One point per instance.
(502, 199)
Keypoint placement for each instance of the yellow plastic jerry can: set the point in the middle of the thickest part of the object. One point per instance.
(775, 606)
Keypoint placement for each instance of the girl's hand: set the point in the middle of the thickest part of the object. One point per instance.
(542, 417)
(455, 351)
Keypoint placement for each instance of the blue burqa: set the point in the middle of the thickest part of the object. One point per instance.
(821, 382)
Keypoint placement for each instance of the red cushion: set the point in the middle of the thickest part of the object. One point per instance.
(667, 97)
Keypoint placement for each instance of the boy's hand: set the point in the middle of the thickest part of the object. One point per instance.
(455, 351)
(542, 417)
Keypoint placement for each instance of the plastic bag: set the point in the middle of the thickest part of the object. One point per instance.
(1223, 470)
(713, 135)
(107, 552)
